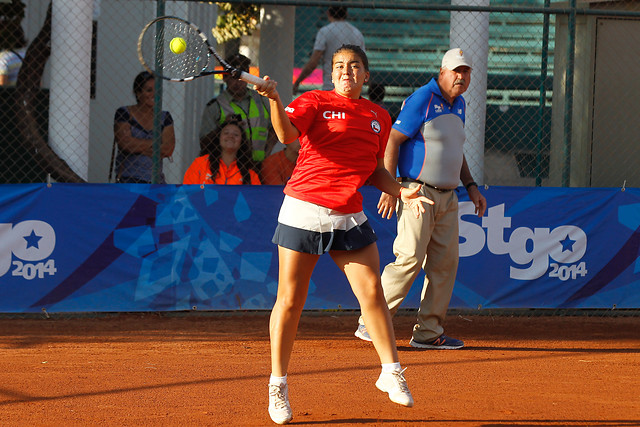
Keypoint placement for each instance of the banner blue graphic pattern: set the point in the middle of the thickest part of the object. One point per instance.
(128, 247)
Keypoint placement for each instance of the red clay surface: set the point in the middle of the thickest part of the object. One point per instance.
(160, 370)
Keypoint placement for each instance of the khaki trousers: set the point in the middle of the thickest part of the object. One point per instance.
(429, 243)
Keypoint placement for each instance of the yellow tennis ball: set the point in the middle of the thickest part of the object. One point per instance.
(177, 45)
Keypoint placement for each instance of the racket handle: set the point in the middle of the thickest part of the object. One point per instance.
(250, 78)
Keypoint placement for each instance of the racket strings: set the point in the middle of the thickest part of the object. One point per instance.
(156, 50)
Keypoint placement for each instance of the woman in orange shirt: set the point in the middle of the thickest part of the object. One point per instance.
(229, 159)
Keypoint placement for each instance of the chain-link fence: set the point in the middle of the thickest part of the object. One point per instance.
(551, 100)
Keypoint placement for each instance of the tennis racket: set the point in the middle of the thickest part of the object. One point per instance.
(155, 54)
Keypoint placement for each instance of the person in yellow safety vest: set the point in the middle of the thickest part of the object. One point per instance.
(237, 99)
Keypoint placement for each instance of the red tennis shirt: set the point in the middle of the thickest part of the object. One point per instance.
(341, 140)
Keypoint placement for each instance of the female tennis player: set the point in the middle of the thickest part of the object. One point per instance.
(342, 138)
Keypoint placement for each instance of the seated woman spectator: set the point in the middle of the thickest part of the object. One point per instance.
(133, 132)
(228, 160)
(278, 167)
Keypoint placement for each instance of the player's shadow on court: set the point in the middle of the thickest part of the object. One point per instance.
(481, 423)
(530, 349)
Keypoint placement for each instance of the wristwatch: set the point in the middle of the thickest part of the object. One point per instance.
(470, 184)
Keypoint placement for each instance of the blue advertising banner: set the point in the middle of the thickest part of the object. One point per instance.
(128, 247)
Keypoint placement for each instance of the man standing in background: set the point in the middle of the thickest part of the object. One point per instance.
(425, 148)
(328, 40)
(238, 99)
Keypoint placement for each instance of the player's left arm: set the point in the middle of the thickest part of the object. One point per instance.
(472, 188)
(383, 181)
(387, 202)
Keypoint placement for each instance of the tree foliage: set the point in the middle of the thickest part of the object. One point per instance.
(235, 20)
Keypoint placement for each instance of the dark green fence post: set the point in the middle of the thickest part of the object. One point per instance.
(543, 92)
(157, 104)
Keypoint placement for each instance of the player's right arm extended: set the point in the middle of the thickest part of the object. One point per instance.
(283, 127)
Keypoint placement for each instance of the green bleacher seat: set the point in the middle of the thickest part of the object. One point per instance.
(405, 47)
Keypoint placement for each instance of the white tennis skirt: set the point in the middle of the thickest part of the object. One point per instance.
(314, 229)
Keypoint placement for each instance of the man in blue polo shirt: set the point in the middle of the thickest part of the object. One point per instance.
(425, 148)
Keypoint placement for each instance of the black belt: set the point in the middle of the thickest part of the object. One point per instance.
(441, 190)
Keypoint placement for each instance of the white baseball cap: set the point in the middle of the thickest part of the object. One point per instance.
(455, 58)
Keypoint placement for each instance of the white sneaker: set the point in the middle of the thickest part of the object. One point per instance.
(395, 384)
(279, 408)
(362, 333)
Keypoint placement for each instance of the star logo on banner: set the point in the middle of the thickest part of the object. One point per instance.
(567, 244)
(32, 240)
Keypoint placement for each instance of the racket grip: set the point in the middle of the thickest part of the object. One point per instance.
(250, 78)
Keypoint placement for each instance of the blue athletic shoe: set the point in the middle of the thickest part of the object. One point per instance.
(443, 342)
(362, 333)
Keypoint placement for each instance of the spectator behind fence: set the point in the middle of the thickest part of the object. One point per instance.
(228, 159)
(376, 92)
(237, 99)
(329, 38)
(277, 168)
(13, 47)
(133, 132)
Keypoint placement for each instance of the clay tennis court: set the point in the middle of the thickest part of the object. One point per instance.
(212, 369)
